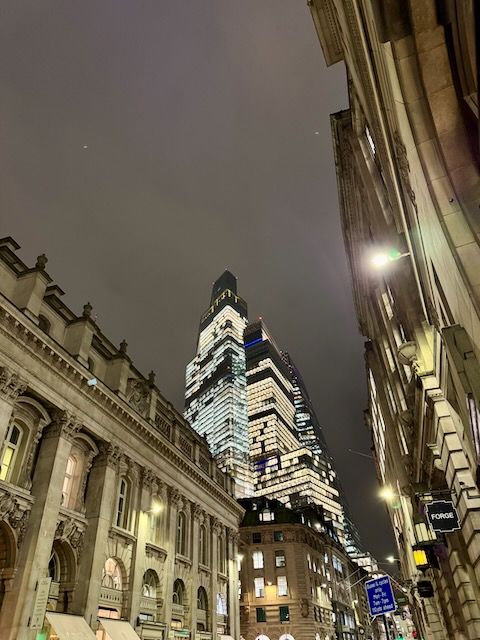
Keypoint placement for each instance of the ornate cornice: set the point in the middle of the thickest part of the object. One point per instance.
(15, 327)
(11, 385)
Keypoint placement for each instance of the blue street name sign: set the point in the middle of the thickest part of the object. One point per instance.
(380, 596)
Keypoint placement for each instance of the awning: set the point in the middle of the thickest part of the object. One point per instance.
(118, 629)
(69, 627)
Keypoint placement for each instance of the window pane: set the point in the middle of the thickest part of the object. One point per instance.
(258, 560)
(280, 559)
(282, 588)
(261, 614)
(278, 536)
(259, 587)
(284, 614)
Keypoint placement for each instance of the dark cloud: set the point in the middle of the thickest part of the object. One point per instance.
(200, 121)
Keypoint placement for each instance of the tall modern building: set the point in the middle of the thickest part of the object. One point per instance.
(289, 464)
(310, 433)
(215, 394)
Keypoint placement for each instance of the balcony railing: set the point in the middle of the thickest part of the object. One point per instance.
(111, 596)
(148, 605)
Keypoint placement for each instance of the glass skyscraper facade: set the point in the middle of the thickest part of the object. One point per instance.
(215, 393)
(311, 434)
(290, 459)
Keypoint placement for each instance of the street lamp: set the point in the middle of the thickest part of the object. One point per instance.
(392, 559)
(156, 508)
(382, 258)
(387, 493)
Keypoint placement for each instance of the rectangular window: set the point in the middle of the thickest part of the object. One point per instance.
(278, 536)
(257, 559)
(282, 587)
(259, 587)
(261, 614)
(284, 614)
(280, 560)
(256, 538)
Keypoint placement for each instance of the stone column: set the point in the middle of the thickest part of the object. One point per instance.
(36, 549)
(197, 516)
(99, 507)
(233, 603)
(10, 388)
(174, 501)
(141, 529)
(216, 529)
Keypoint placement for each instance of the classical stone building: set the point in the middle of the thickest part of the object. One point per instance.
(297, 582)
(407, 159)
(107, 496)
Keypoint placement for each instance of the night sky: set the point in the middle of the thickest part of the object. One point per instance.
(208, 147)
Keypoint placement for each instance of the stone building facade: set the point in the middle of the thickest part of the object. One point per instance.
(104, 487)
(297, 582)
(407, 157)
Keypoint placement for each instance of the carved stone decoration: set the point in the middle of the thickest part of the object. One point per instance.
(110, 454)
(11, 386)
(149, 479)
(26, 479)
(70, 531)
(12, 512)
(83, 485)
(8, 505)
(217, 527)
(64, 424)
(175, 496)
(198, 513)
(233, 536)
(138, 393)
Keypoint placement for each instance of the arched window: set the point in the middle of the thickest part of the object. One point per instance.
(221, 554)
(122, 504)
(10, 451)
(202, 555)
(221, 604)
(202, 599)
(54, 567)
(180, 542)
(68, 481)
(112, 575)
(149, 588)
(44, 324)
(178, 592)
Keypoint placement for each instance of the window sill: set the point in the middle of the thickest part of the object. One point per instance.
(123, 534)
(152, 549)
(183, 559)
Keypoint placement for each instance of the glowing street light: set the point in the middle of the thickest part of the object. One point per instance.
(382, 258)
(387, 493)
(156, 508)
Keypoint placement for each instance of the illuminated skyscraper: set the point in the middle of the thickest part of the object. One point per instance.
(289, 462)
(215, 394)
(310, 433)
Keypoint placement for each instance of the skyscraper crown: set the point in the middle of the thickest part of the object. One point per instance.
(226, 282)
